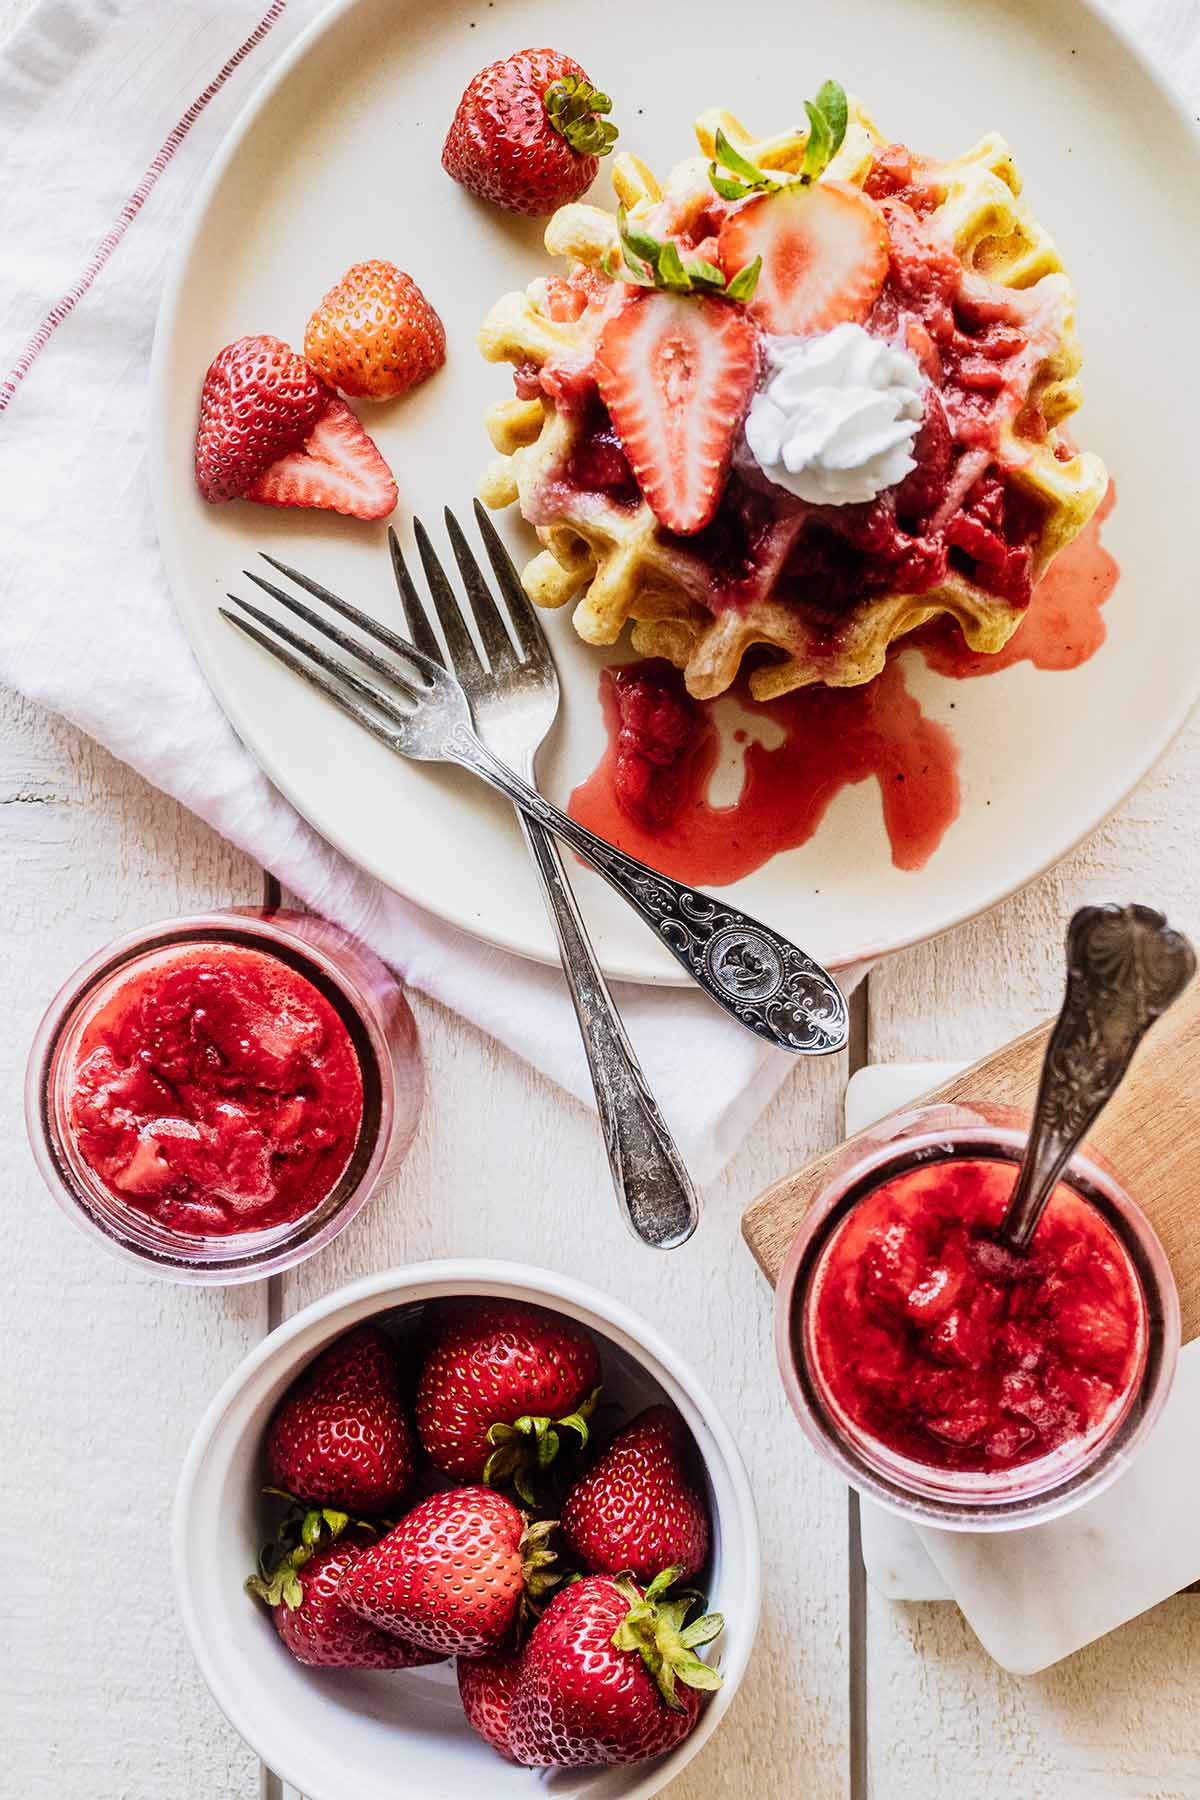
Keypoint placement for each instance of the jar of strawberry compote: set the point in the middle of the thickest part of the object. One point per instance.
(216, 1097)
(958, 1383)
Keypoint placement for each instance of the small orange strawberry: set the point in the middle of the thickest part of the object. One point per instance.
(375, 335)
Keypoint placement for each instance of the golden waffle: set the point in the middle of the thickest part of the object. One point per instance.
(618, 563)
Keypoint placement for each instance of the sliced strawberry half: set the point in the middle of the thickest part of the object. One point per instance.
(824, 250)
(271, 430)
(676, 374)
(337, 467)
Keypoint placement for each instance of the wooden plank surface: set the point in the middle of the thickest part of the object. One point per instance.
(105, 1371)
(1149, 1133)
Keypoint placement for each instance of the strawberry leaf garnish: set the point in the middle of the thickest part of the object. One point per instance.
(828, 117)
(574, 108)
(750, 178)
(653, 263)
(734, 176)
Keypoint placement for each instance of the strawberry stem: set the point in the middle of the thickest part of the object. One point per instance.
(656, 1628)
(539, 1577)
(573, 107)
(301, 1532)
(530, 1445)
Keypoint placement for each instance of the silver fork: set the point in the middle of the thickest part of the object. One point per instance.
(514, 701)
(754, 973)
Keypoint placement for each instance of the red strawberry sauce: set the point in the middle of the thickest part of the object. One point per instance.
(945, 1347)
(216, 1090)
(649, 794)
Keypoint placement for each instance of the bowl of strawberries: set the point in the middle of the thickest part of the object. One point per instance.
(464, 1528)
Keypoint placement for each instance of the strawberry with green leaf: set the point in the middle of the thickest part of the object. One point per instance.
(610, 1674)
(528, 133)
(650, 262)
(454, 1574)
(301, 1586)
(822, 245)
(501, 1384)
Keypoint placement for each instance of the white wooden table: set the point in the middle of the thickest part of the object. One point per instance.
(106, 1372)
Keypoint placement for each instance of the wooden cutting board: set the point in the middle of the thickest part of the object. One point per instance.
(1149, 1133)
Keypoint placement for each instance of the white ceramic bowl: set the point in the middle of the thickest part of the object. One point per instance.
(341, 1735)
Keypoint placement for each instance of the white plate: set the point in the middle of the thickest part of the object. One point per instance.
(337, 159)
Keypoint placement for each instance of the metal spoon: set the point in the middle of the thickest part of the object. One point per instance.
(1124, 968)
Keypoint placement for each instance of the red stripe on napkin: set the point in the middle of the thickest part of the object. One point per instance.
(65, 305)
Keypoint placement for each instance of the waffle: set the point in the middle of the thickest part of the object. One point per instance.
(618, 564)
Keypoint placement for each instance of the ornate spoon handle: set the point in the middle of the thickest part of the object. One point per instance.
(1124, 968)
(758, 977)
(653, 1186)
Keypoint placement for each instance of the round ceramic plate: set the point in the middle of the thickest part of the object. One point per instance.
(338, 159)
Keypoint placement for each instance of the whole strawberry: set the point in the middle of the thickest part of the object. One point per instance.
(452, 1574)
(637, 1509)
(499, 1384)
(485, 1686)
(316, 1625)
(270, 430)
(375, 335)
(340, 1436)
(610, 1675)
(529, 132)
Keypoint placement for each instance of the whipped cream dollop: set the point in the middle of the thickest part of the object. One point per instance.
(837, 418)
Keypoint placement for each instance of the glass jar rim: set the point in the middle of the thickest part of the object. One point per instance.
(138, 1239)
(908, 1489)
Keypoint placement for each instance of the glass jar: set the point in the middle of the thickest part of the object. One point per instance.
(370, 1003)
(953, 1499)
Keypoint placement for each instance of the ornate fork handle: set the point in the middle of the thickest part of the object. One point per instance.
(759, 977)
(654, 1188)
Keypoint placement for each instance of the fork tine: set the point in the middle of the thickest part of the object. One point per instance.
(360, 714)
(358, 683)
(356, 616)
(521, 610)
(335, 635)
(416, 619)
(493, 631)
(464, 658)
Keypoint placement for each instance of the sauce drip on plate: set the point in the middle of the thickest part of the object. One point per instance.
(650, 794)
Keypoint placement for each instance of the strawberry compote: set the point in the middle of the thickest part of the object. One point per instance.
(216, 1090)
(659, 728)
(950, 1350)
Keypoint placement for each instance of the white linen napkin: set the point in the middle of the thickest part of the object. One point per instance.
(109, 110)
